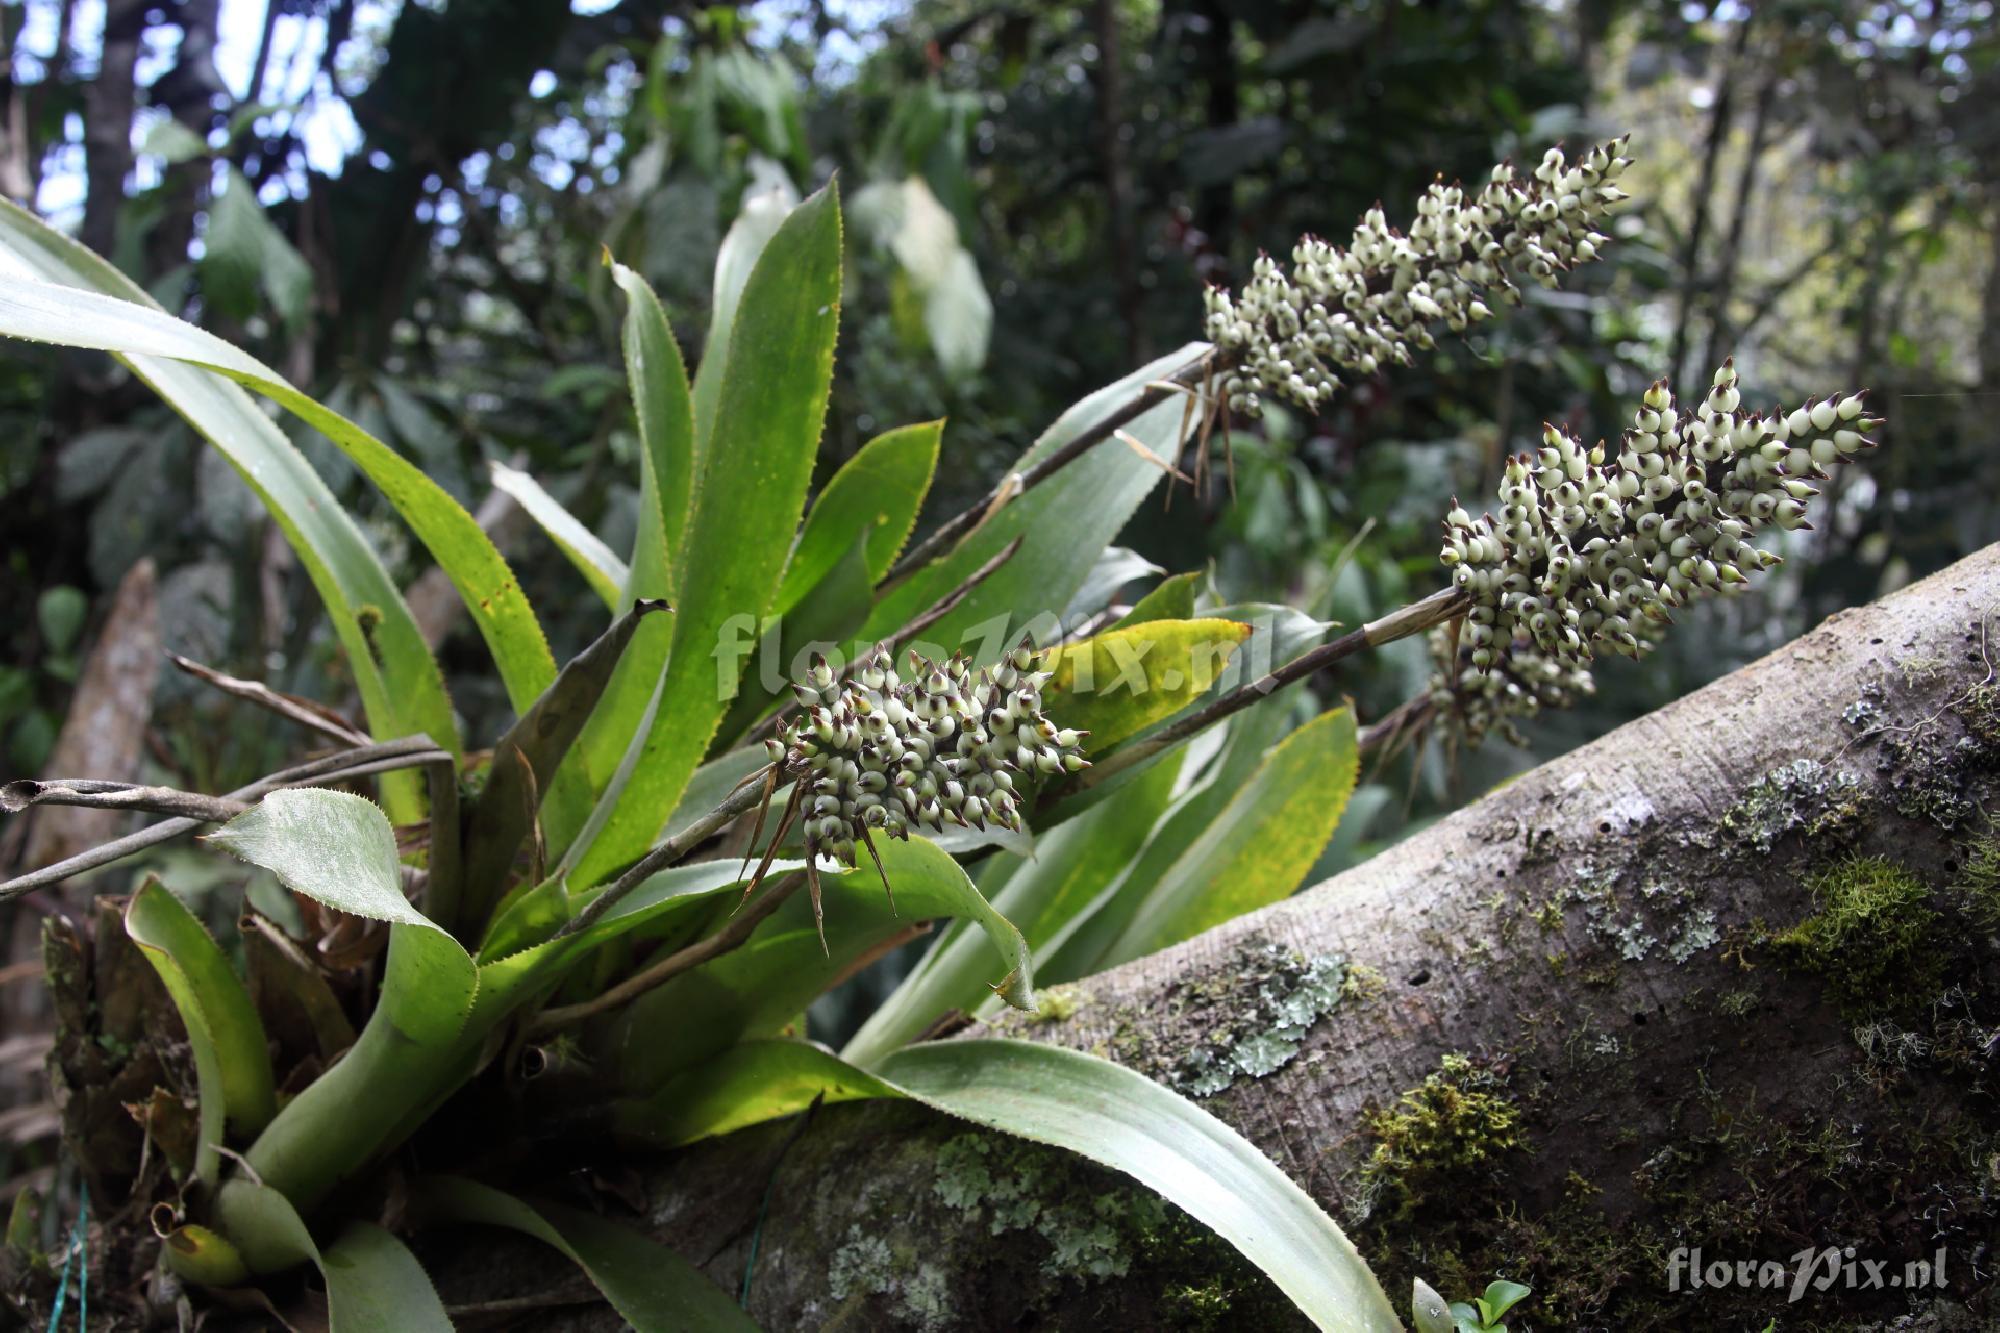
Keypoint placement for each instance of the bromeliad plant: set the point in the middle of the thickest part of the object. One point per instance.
(610, 888)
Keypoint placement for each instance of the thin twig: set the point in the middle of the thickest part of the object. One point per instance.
(1412, 619)
(1388, 734)
(1015, 484)
(945, 605)
(313, 716)
(87, 794)
(409, 752)
(729, 938)
(668, 853)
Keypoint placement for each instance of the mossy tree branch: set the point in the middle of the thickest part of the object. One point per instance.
(1640, 989)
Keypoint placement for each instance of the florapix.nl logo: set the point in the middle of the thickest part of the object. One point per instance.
(763, 651)
(1808, 1272)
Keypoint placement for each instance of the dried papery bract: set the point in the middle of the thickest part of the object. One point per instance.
(1366, 306)
(1592, 553)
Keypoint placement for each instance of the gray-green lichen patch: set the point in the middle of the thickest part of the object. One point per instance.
(1929, 779)
(1661, 915)
(863, 1263)
(1001, 1186)
(1698, 931)
(947, 1228)
(1927, 771)
(1804, 796)
(918, 1293)
(1258, 1028)
(1737, 1003)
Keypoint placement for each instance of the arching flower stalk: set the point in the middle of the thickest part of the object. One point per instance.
(1593, 553)
(1366, 306)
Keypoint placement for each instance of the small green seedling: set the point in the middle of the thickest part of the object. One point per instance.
(1483, 1315)
(1428, 1312)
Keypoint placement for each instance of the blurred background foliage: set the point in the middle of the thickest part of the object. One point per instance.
(405, 208)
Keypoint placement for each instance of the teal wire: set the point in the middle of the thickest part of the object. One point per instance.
(75, 1254)
(764, 1205)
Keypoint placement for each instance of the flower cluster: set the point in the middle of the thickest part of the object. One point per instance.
(1521, 683)
(883, 752)
(1367, 305)
(1587, 553)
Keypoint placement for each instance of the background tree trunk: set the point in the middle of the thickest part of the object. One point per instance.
(1724, 978)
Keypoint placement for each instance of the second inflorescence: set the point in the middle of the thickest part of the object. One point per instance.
(885, 753)
(1473, 703)
(1589, 552)
(1367, 305)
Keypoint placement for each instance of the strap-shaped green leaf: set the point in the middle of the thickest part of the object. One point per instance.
(396, 1074)
(397, 677)
(600, 566)
(1215, 768)
(389, 1083)
(751, 1082)
(1129, 1123)
(1173, 599)
(43, 312)
(830, 613)
(1278, 635)
(759, 988)
(1071, 866)
(535, 915)
(232, 1064)
(1064, 523)
(664, 407)
(874, 497)
(1116, 684)
(1114, 567)
(1261, 845)
(707, 789)
(767, 425)
(652, 1288)
(761, 216)
(669, 476)
(527, 758)
(1068, 1100)
(373, 1282)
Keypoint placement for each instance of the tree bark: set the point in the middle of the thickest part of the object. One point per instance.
(1118, 177)
(1723, 979)
(1726, 75)
(108, 104)
(1720, 322)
